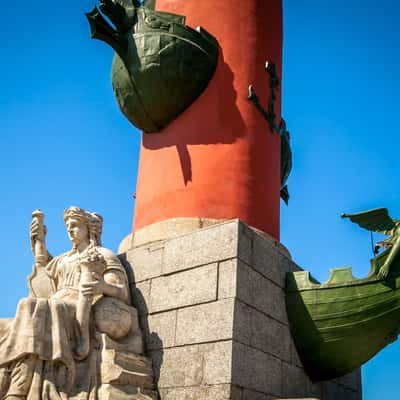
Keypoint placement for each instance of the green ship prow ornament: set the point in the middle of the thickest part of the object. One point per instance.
(161, 66)
(339, 325)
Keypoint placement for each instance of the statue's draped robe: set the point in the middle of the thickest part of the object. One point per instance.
(47, 330)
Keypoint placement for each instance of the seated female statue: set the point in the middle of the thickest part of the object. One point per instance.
(49, 350)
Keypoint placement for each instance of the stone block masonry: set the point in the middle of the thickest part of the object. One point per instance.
(212, 307)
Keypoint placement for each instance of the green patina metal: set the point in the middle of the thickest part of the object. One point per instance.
(286, 160)
(270, 116)
(378, 220)
(339, 325)
(161, 66)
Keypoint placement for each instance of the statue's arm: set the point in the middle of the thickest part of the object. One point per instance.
(37, 234)
(115, 285)
(112, 283)
(41, 281)
(384, 271)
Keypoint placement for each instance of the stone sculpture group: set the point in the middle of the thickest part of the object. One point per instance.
(69, 336)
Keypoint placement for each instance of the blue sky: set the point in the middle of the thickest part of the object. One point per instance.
(64, 141)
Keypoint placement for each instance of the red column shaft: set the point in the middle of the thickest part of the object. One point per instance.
(219, 159)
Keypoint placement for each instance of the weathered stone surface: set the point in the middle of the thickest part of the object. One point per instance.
(146, 261)
(295, 383)
(227, 279)
(334, 391)
(236, 393)
(125, 392)
(252, 395)
(294, 355)
(352, 380)
(242, 330)
(217, 362)
(206, 246)
(256, 370)
(163, 326)
(237, 279)
(117, 363)
(187, 288)
(218, 320)
(141, 297)
(205, 323)
(179, 366)
(217, 392)
(267, 260)
(4, 324)
(261, 293)
(165, 230)
(125, 377)
(126, 244)
(245, 242)
(262, 332)
(207, 364)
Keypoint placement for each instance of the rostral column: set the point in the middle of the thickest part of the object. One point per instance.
(219, 159)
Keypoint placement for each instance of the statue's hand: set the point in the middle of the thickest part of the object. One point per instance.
(383, 272)
(37, 231)
(92, 266)
(93, 288)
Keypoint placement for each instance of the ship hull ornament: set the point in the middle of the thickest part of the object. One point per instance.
(161, 65)
(341, 324)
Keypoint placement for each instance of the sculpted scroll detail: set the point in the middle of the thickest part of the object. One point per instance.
(68, 337)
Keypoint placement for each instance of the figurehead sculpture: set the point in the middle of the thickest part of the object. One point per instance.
(378, 220)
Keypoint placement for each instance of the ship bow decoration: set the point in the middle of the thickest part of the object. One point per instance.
(161, 65)
(341, 324)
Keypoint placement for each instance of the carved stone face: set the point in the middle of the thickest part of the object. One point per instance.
(77, 231)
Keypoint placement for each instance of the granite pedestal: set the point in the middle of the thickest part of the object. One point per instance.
(212, 306)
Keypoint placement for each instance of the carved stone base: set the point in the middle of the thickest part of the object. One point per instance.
(212, 308)
(125, 368)
(124, 392)
(124, 374)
